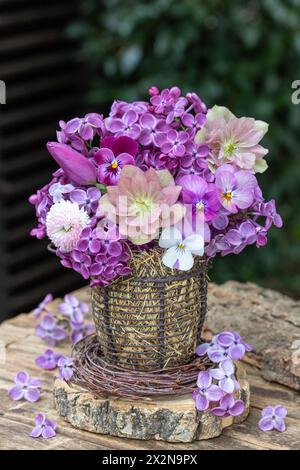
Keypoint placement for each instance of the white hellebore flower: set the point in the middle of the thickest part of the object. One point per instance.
(179, 254)
(64, 224)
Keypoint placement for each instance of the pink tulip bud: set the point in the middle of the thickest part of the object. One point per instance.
(77, 167)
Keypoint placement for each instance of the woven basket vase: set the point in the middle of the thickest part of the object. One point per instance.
(153, 318)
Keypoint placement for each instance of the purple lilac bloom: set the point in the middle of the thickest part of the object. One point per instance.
(235, 189)
(85, 127)
(114, 154)
(229, 407)
(79, 329)
(206, 392)
(87, 199)
(58, 190)
(43, 427)
(42, 307)
(72, 305)
(152, 130)
(193, 122)
(65, 367)
(218, 244)
(225, 375)
(177, 109)
(200, 194)
(49, 331)
(127, 125)
(272, 417)
(89, 241)
(25, 387)
(237, 347)
(197, 103)
(48, 360)
(173, 142)
(244, 235)
(268, 210)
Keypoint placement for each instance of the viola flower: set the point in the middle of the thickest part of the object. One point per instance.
(173, 142)
(72, 305)
(49, 331)
(25, 387)
(201, 195)
(48, 360)
(225, 375)
(242, 236)
(43, 427)
(64, 224)
(272, 417)
(114, 154)
(65, 367)
(141, 204)
(42, 307)
(229, 407)
(58, 190)
(87, 199)
(234, 140)
(235, 189)
(179, 254)
(124, 126)
(85, 127)
(206, 392)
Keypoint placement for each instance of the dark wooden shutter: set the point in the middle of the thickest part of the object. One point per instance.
(42, 81)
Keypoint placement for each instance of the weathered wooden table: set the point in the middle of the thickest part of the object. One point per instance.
(249, 309)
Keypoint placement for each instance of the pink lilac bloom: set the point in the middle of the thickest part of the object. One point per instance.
(229, 407)
(43, 427)
(235, 189)
(272, 417)
(25, 387)
(225, 376)
(126, 125)
(72, 305)
(49, 331)
(244, 235)
(87, 199)
(85, 127)
(206, 392)
(200, 194)
(48, 360)
(65, 367)
(42, 307)
(114, 154)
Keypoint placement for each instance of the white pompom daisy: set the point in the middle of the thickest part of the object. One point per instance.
(64, 223)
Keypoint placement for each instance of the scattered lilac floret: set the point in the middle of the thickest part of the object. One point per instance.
(272, 417)
(43, 427)
(49, 331)
(65, 366)
(229, 407)
(42, 306)
(25, 387)
(48, 360)
(225, 375)
(72, 305)
(207, 392)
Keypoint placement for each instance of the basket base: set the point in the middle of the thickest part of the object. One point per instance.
(168, 419)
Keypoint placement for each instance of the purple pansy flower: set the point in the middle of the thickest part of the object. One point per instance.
(225, 375)
(206, 391)
(87, 199)
(48, 360)
(43, 427)
(244, 235)
(173, 142)
(200, 194)
(49, 331)
(25, 387)
(42, 306)
(65, 367)
(72, 305)
(125, 126)
(235, 188)
(272, 417)
(114, 154)
(86, 126)
(229, 407)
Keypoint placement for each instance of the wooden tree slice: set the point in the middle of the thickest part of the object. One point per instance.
(172, 420)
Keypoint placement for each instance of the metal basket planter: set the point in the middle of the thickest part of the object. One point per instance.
(152, 319)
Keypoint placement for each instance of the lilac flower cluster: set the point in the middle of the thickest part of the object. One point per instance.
(210, 153)
(218, 385)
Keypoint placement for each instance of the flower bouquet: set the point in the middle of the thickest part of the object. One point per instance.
(142, 200)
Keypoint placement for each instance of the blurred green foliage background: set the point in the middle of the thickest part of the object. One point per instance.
(243, 54)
